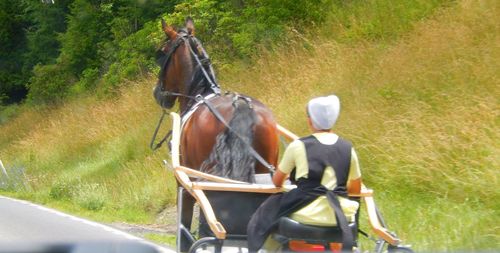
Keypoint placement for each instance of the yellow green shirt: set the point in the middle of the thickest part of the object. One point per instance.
(319, 212)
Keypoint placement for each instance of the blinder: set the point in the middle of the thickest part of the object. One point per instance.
(163, 58)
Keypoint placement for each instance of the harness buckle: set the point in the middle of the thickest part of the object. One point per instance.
(199, 98)
(215, 89)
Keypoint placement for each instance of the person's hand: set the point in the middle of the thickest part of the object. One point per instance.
(279, 178)
(354, 186)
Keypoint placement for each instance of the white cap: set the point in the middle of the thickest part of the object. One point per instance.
(324, 111)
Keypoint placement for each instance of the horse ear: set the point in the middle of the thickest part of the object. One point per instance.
(169, 31)
(190, 25)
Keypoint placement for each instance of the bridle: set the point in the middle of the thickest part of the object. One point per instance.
(193, 44)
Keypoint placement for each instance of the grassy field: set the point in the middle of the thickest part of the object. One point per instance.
(421, 107)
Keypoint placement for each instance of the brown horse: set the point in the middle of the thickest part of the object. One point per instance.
(221, 134)
(183, 77)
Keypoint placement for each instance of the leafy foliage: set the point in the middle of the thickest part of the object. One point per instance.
(46, 22)
(237, 27)
(12, 41)
(79, 46)
(49, 84)
(84, 32)
(132, 57)
(89, 45)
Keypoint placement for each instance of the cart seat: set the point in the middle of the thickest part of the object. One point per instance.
(292, 229)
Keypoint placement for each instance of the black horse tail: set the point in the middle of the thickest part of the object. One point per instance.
(230, 156)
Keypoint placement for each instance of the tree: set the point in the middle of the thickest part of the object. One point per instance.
(12, 44)
(86, 28)
(48, 20)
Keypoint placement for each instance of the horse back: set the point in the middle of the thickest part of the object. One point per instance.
(202, 128)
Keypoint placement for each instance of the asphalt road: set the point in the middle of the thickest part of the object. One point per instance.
(23, 223)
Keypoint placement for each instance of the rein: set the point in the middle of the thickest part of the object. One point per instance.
(152, 144)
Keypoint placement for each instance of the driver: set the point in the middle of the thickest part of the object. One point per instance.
(325, 168)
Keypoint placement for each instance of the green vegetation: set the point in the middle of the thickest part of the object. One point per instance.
(91, 153)
(162, 239)
(418, 81)
(352, 21)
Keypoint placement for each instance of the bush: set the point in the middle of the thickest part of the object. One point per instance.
(62, 189)
(87, 82)
(8, 112)
(91, 196)
(133, 57)
(49, 84)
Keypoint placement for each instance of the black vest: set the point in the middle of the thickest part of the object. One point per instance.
(319, 157)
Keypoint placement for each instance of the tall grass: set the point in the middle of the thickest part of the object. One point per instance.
(422, 110)
(374, 20)
(88, 146)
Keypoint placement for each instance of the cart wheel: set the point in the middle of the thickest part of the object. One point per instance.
(399, 249)
(201, 245)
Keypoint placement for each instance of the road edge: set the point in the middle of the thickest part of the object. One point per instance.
(93, 223)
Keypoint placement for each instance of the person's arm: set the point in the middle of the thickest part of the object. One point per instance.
(287, 164)
(354, 183)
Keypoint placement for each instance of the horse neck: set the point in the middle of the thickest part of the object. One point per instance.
(197, 86)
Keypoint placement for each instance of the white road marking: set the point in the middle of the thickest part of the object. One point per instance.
(93, 224)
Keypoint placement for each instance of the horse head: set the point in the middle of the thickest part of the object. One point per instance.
(185, 68)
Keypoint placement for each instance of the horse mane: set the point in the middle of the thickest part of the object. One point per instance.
(199, 84)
